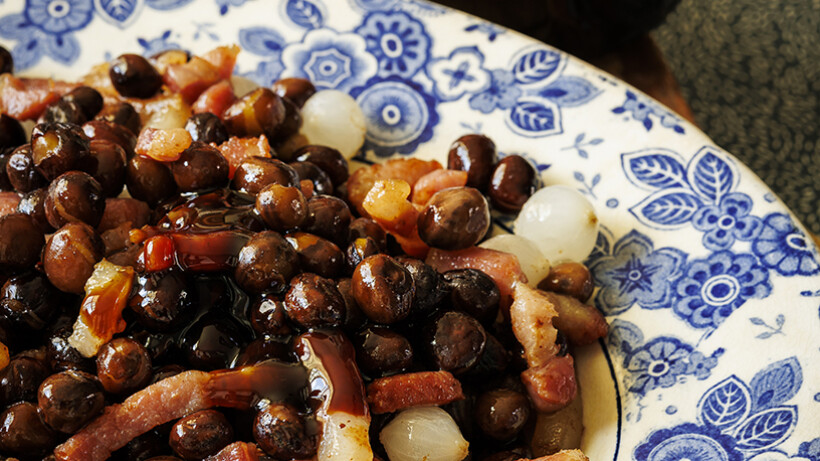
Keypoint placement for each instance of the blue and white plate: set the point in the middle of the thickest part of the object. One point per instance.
(710, 286)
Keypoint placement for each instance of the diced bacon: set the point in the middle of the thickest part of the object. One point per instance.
(167, 58)
(387, 204)
(106, 293)
(223, 58)
(397, 392)
(358, 185)
(235, 150)
(191, 78)
(435, 181)
(552, 385)
(563, 455)
(119, 211)
(27, 98)
(164, 111)
(237, 451)
(215, 99)
(580, 323)
(408, 170)
(163, 145)
(164, 401)
(8, 202)
(531, 316)
(502, 267)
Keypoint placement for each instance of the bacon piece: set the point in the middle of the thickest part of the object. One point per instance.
(119, 211)
(191, 78)
(106, 293)
(167, 58)
(8, 202)
(408, 170)
(215, 99)
(27, 98)
(502, 267)
(551, 386)
(163, 145)
(164, 111)
(164, 401)
(235, 150)
(223, 58)
(237, 451)
(397, 392)
(580, 323)
(387, 204)
(563, 455)
(435, 181)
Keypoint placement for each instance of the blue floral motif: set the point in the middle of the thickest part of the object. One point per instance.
(33, 43)
(727, 221)
(58, 16)
(399, 114)
(711, 289)
(810, 450)
(784, 248)
(119, 12)
(492, 30)
(501, 94)
(731, 425)
(224, 5)
(397, 40)
(266, 72)
(635, 273)
(330, 59)
(305, 13)
(569, 91)
(642, 110)
(460, 73)
(153, 46)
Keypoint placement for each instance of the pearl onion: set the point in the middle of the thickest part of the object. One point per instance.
(427, 433)
(533, 262)
(332, 118)
(561, 221)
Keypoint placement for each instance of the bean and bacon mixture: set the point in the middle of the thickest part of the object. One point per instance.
(250, 298)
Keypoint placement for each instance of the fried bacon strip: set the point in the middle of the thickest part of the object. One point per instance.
(27, 98)
(435, 181)
(387, 203)
(397, 392)
(179, 396)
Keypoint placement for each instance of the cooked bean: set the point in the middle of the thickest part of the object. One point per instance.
(320, 179)
(69, 399)
(214, 341)
(123, 366)
(74, 197)
(454, 218)
(21, 243)
(32, 204)
(383, 289)
(21, 172)
(513, 181)
(313, 301)
(101, 130)
(268, 316)
(200, 167)
(162, 300)
(259, 112)
(366, 227)
(317, 255)
(330, 160)
(69, 256)
(328, 217)
(88, 99)
(254, 173)
(431, 288)
(296, 89)
(207, 127)
(473, 292)
(571, 279)
(282, 208)
(57, 148)
(290, 123)
(64, 111)
(12, 134)
(28, 304)
(23, 433)
(149, 180)
(281, 432)
(134, 77)
(200, 435)
(455, 341)
(122, 114)
(475, 154)
(106, 164)
(502, 413)
(381, 351)
(266, 263)
(19, 380)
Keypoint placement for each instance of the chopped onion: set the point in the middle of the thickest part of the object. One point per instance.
(332, 118)
(561, 221)
(423, 433)
(532, 261)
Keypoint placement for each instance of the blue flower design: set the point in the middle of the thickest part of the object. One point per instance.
(642, 110)
(658, 363)
(58, 16)
(460, 73)
(33, 43)
(155, 45)
(397, 40)
(688, 442)
(711, 289)
(635, 273)
(266, 72)
(727, 221)
(399, 114)
(700, 366)
(501, 94)
(330, 59)
(784, 248)
(224, 5)
(810, 450)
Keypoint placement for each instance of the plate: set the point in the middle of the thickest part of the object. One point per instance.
(710, 285)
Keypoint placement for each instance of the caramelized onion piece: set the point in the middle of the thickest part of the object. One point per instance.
(387, 203)
(337, 389)
(237, 451)
(106, 293)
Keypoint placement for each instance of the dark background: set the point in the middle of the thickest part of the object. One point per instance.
(748, 69)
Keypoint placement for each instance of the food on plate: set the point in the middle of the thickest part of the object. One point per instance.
(190, 273)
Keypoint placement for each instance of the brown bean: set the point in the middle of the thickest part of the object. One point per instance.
(313, 301)
(200, 435)
(123, 366)
(317, 255)
(21, 243)
(513, 181)
(475, 154)
(571, 279)
(296, 89)
(200, 166)
(254, 173)
(149, 180)
(454, 219)
(330, 160)
(283, 208)
(74, 197)
(383, 288)
(266, 263)
(69, 256)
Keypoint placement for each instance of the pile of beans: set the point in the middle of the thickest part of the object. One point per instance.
(233, 259)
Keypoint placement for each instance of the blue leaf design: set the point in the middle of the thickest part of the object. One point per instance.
(757, 321)
(117, 12)
(579, 176)
(624, 337)
(167, 4)
(471, 28)
(667, 208)
(618, 110)
(536, 65)
(654, 169)
(262, 41)
(647, 123)
(725, 404)
(570, 91)
(710, 175)
(766, 429)
(780, 320)
(579, 138)
(542, 167)
(776, 384)
(582, 153)
(532, 116)
(304, 13)
(764, 335)
(595, 142)
(596, 179)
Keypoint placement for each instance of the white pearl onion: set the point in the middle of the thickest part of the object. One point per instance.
(533, 262)
(561, 221)
(332, 118)
(427, 433)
